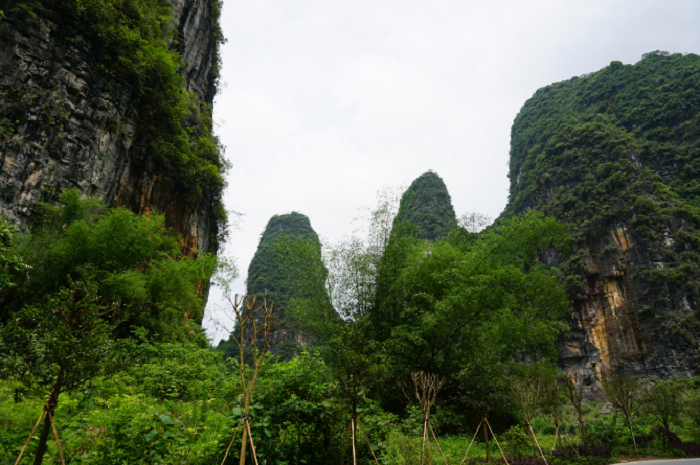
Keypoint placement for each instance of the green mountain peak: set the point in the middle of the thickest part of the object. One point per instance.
(427, 205)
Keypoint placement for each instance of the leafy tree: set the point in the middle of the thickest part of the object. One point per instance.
(301, 417)
(460, 298)
(574, 393)
(624, 393)
(663, 400)
(133, 260)
(9, 261)
(552, 404)
(59, 346)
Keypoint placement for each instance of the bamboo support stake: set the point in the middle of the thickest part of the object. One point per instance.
(425, 434)
(55, 436)
(556, 435)
(347, 434)
(537, 442)
(470, 444)
(31, 435)
(252, 445)
(572, 446)
(354, 441)
(367, 440)
(232, 439)
(499, 446)
(438, 445)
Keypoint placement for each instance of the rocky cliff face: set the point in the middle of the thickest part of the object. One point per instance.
(64, 123)
(615, 155)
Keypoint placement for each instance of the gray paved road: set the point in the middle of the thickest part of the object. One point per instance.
(670, 462)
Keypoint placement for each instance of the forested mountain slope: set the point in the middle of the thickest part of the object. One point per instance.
(427, 205)
(616, 155)
(269, 277)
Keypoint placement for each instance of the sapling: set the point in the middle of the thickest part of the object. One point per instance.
(424, 387)
(58, 347)
(574, 392)
(624, 393)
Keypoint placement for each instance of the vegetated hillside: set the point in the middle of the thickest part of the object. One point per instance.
(616, 154)
(114, 98)
(269, 278)
(427, 205)
(425, 212)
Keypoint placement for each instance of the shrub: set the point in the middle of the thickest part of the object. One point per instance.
(664, 437)
(515, 440)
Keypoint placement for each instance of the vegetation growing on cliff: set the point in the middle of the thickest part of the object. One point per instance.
(135, 45)
(134, 261)
(620, 146)
(268, 276)
(427, 205)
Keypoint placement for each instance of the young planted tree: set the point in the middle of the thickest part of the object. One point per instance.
(424, 388)
(663, 400)
(254, 323)
(552, 405)
(357, 365)
(58, 347)
(482, 387)
(574, 393)
(527, 390)
(624, 393)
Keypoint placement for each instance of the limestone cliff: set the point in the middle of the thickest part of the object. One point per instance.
(615, 154)
(68, 120)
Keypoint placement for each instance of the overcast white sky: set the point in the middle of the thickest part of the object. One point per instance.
(327, 102)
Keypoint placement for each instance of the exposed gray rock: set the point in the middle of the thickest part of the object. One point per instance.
(62, 125)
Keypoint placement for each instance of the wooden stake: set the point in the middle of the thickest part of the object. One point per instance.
(438, 445)
(232, 439)
(470, 444)
(347, 433)
(354, 440)
(425, 434)
(556, 435)
(31, 435)
(494, 438)
(536, 442)
(368, 444)
(55, 436)
(252, 446)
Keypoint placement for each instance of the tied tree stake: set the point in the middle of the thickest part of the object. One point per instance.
(574, 392)
(255, 323)
(58, 347)
(424, 387)
(623, 392)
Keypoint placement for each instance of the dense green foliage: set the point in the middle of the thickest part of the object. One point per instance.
(620, 147)
(134, 44)
(469, 307)
(9, 261)
(463, 306)
(134, 261)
